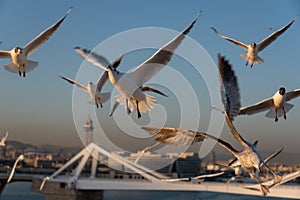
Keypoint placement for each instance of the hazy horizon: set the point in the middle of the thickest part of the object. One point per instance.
(38, 109)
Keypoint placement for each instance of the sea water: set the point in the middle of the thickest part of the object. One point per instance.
(21, 191)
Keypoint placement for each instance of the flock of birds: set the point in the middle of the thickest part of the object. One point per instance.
(132, 87)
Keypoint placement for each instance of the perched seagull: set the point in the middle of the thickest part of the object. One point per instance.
(253, 49)
(20, 64)
(130, 84)
(193, 179)
(20, 158)
(3, 139)
(96, 97)
(102, 62)
(277, 104)
(249, 158)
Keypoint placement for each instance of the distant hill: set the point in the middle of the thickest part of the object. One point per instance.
(43, 148)
(19, 145)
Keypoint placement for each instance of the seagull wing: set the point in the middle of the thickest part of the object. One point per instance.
(93, 57)
(271, 38)
(152, 89)
(3, 139)
(208, 175)
(234, 132)
(102, 80)
(272, 156)
(160, 58)
(178, 136)
(244, 46)
(259, 107)
(44, 36)
(229, 88)
(175, 180)
(73, 82)
(4, 54)
(292, 94)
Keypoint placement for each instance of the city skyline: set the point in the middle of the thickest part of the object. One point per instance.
(38, 109)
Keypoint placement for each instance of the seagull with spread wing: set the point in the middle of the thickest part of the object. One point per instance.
(20, 64)
(192, 179)
(3, 139)
(130, 84)
(102, 62)
(249, 158)
(277, 105)
(94, 92)
(253, 49)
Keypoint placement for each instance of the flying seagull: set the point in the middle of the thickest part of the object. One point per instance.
(129, 84)
(253, 49)
(277, 105)
(3, 139)
(96, 97)
(102, 62)
(20, 158)
(20, 64)
(193, 179)
(249, 158)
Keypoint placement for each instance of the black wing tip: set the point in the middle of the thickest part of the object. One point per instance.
(214, 30)
(187, 30)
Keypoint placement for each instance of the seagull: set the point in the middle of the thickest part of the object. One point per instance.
(249, 158)
(277, 104)
(3, 139)
(96, 97)
(129, 84)
(20, 64)
(193, 179)
(20, 158)
(102, 62)
(253, 49)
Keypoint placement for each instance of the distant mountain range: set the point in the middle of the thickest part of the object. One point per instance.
(43, 148)
(284, 157)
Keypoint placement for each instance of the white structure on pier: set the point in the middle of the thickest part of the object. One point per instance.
(154, 181)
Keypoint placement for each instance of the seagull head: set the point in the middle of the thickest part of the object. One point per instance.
(18, 50)
(282, 90)
(255, 162)
(253, 45)
(90, 83)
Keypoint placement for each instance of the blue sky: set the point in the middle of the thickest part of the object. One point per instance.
(38, 109)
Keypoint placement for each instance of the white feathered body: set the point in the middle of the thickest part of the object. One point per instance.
(279, 102)
(94, 94)
(252, 56)
(128, 88)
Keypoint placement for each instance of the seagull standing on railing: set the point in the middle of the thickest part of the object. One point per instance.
(20, 64)
(253, 49)
(130, 84)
